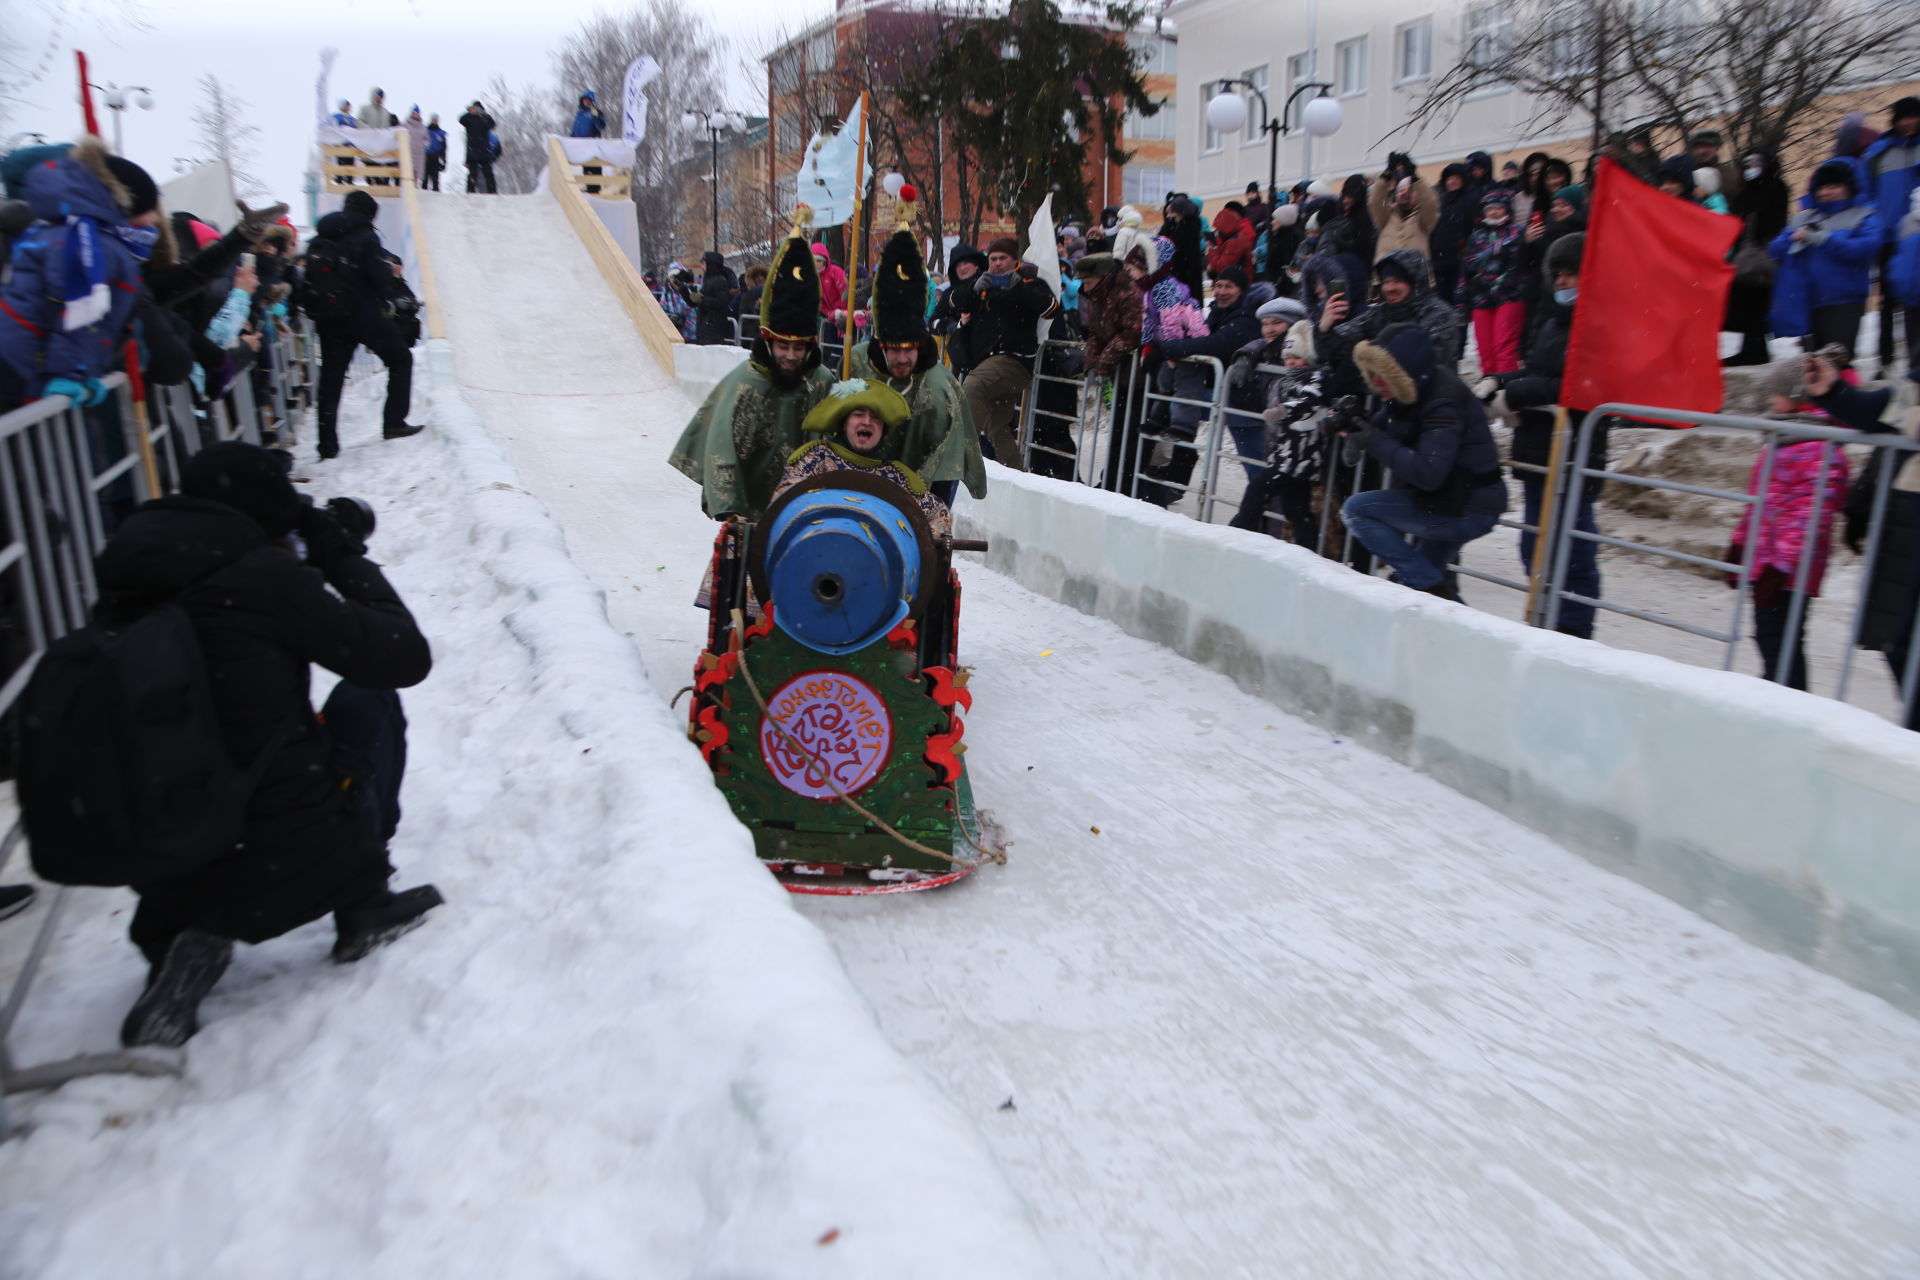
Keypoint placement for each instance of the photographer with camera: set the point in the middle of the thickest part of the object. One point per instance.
(1433, 436)
(325, 789)
(349, 291)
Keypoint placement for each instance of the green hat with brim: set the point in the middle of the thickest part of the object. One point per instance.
(856, 393)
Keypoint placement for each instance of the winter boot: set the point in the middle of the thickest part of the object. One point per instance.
(167, 1012)
(402, 431)
(15, 898)
(378, 921)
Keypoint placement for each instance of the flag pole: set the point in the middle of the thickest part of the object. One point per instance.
(1550, 501)
(853, 255)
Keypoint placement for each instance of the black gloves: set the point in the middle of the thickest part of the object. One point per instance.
(327, 539)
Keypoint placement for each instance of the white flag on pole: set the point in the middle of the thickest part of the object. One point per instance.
(827, 173)
(1043, 251)
(322, 108)
(633, 125)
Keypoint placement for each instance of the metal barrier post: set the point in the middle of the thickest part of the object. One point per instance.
(1875, 523)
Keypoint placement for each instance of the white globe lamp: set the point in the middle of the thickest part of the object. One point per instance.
(114, 99)
(144, 99)
(1321, 117)
(892, 184)
(1227, 113)
(689, 121)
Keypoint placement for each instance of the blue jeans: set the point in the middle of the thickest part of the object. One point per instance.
(1380, 518)
(1583, 557)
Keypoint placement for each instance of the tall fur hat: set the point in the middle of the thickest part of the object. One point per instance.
(790, 304)
(900, 286)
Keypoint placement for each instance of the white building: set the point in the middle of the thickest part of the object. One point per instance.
(1378, 55)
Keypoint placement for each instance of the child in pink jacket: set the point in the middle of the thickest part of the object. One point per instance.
(1786, 525)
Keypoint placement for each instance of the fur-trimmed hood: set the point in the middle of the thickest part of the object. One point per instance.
(78, 182)
(1402, 357)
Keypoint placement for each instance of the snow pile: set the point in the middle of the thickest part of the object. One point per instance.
(617, 1051)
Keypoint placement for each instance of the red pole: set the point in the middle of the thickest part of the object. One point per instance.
(86, 94)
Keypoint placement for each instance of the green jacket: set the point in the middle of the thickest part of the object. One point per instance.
(940, 441)
(740, 439)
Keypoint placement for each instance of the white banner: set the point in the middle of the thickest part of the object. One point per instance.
(372, 142)
(1043, 251)
(614, 151)
(633, 124)
(826, 178)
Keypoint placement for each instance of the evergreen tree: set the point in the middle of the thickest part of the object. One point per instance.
(1020, 91)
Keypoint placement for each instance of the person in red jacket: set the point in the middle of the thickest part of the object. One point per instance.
(1233, 238)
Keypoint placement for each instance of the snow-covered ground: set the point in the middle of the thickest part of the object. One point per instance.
(1249, 1001)
(614, 1053)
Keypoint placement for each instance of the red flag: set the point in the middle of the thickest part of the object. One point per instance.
(1653, 292)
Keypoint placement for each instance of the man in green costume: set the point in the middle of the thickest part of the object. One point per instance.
(739, 440)
(940, 441)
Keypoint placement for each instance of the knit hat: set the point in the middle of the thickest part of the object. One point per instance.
(1565, 254)
(249, 479)
(1497, 195)
(790, 304)
(1233, 275)
(1007, 245)
(1906, 108)
(359, 201)
(1838, 172)
(1707, 181)
(856, 393)
(1299, 343)
(142, 195)
(1286, 215)
(1288, 309)
(1575, 195)
(1705, 138)
(1393, 265)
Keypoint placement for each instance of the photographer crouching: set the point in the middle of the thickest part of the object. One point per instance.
(325, 801)
(1432, 436)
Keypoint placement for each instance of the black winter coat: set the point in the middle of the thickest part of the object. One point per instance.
(1458, 213)
(1441, 439)
(1003, 314)
(354, 231)
(479, 127)
(264, 619)
(715, 308)
(1536, 388)
(1894, 594)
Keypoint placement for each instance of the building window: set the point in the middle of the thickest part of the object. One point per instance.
(1250, 132)
(1489, 33)
(1413, 51)
(1350, 63)
(1156, 55)
(1162, 126)
(1299, 71)
(820, 51)
(1145, 186)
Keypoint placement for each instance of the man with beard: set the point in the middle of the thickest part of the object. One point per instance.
(939, 440)
(740, 439)
(1405, 298)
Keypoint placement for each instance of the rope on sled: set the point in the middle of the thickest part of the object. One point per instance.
(987, 855)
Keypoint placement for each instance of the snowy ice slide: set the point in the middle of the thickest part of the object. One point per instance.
(1252, 1001)
(617, 1051)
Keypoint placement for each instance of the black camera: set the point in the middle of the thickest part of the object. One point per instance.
(354, 516)
(1349, 414)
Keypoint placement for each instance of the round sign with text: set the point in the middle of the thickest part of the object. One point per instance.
(836, 734)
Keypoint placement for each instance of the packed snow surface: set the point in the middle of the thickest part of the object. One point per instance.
(1247, 1001)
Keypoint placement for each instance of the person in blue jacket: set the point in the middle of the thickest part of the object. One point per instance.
(1825, 256)
(1893, 170)
(75, 274)
(588, 122)
(436, 153)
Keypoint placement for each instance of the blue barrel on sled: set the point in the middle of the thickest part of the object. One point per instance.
(842, 568)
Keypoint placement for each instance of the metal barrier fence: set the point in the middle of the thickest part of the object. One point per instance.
(1197, 432)
(67, 476)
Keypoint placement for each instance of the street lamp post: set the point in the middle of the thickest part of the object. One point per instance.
(1227, 113)
(115, 99)
(715, 122)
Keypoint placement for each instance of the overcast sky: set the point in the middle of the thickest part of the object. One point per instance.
(437, 53)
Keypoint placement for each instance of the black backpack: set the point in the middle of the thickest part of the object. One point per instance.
(333, 284)
(125, 777)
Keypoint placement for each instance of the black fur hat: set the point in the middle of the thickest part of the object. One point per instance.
(900, 293)
(790, 304)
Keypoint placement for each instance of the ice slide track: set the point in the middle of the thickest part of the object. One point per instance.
(1249, 1001)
